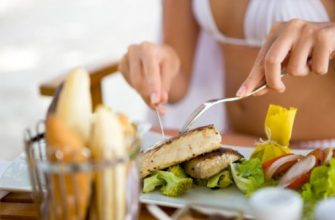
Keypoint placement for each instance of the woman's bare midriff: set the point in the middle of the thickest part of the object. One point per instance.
(314, 96)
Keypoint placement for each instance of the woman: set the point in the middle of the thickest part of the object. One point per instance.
(259, 39)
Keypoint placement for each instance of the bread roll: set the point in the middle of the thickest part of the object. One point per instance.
(74, 105)
(70, 192)
(107, 143)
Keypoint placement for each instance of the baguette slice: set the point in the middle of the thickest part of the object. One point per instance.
(179, 149)
(74, 105)
(107, 143)
(70, 191)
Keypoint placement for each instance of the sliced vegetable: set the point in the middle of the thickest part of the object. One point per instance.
(328, 152)
(279, 123)
(319, 155)
(269, 150)
(298, 172)
(278, 129)
(279, 165)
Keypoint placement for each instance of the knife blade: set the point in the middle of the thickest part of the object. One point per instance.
(160, 122)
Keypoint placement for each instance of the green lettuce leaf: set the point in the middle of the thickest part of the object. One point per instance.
(220, 180)
(321, 185)
(248, 175)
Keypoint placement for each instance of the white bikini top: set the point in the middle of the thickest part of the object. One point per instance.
(260, 16)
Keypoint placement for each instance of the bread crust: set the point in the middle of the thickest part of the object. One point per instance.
(180, 149)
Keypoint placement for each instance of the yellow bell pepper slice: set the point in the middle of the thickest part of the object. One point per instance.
(278, 128)
(268, 150)
(279, 123)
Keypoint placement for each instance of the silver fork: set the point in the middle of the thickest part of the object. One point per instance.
(210, 103)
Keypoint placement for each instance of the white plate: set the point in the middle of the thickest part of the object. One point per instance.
(230, 198)
(16, 178)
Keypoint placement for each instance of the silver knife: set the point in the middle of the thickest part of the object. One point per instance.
(160, 122)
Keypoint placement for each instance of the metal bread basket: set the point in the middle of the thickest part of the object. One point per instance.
(72, 190)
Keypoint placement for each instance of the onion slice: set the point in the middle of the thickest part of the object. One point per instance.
(299, 169)
(328, 152)
(279, 163)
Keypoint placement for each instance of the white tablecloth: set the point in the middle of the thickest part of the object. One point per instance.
(3, 166)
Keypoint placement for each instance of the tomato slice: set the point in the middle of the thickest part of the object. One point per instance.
(279, 165)
(319, 155)
(268, 163)
(297, 183)
(298, 174)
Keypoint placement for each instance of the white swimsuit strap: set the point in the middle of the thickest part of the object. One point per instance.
(259, 18)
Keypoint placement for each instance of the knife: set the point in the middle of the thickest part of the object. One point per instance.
(160, 122)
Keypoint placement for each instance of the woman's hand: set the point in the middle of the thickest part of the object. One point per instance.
(150, 69)
(299, 47)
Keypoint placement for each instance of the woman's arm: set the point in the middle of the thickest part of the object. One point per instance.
(180, 31)
(298, 47)
(162, 73)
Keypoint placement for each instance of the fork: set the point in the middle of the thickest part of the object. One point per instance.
(210, 103)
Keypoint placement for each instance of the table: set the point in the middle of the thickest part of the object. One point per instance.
(18, 205)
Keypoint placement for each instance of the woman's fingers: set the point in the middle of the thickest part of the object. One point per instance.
(275, 57)
(298, 46)
(298, 64)
(321, 53)
(150, 69)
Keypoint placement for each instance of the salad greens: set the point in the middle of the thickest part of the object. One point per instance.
(321, 185)
(220, 180)
(248, 175)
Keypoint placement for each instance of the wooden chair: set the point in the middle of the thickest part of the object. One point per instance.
(49, 87)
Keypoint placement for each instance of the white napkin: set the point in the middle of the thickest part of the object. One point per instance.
(3, 167)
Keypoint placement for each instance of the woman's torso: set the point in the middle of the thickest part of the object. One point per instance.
(314, 96)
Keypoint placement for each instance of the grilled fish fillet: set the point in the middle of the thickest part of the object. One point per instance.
(179, 149)
(212, 163)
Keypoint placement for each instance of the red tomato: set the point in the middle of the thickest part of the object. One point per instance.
(299, 173)
(268, 163)
(319, 155)
(297, 183)
(279, 165)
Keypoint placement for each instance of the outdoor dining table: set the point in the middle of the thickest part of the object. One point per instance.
(19, 205)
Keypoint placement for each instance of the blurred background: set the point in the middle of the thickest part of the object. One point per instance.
(40, 39)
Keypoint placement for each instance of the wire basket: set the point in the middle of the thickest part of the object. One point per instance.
(82, 189)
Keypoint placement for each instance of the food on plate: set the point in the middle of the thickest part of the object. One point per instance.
(197, 155)
(271, 164)
(248, 175)
(328, 155)
(279, 165)
(210, 164)
(65, 146)
(299, 173)
(74, 103)
(321, 185)
(221, 180)
(180, 149)
(278, 129)
(172, 182)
